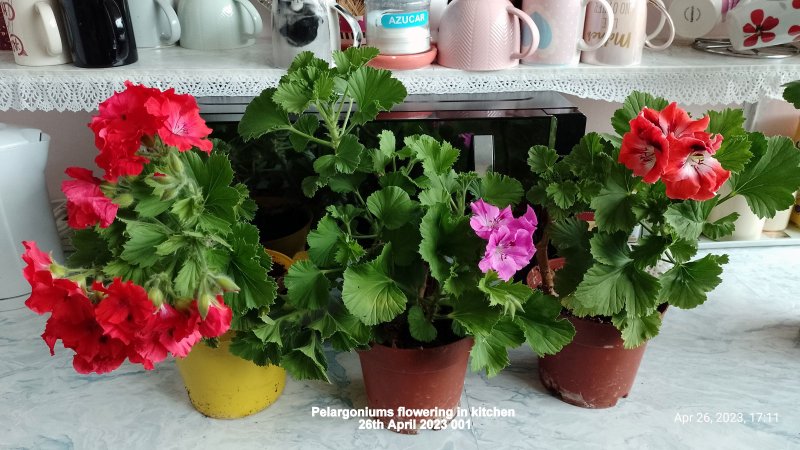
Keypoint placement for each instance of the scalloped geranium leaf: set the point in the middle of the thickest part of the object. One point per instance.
(307, 360)
(437, 157)
(631, 108)
(768, 182)
(374, 90)
(490, 351)
(728, 122)
(615, 207)
(510, 295)
(308, 287)
(606, 290)
(474, 314)
(392, 206)
(371, 294)
(262, 116)
(636, 330)
(499, 190)
(721, 227)
(541, 158)
(348, 154)
(734, 153)
(686, 285)
(421, 328)
(544, 331)
(324, 241)
(446, 238)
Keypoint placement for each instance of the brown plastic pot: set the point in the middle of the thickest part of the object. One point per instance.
(423, 379)
(594, 370)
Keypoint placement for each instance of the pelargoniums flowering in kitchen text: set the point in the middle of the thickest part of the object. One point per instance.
(164, 254)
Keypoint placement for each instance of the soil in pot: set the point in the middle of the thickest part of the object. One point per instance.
(423, 379)
(594, 370)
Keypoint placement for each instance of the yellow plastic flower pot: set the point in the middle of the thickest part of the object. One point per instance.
(224, 386)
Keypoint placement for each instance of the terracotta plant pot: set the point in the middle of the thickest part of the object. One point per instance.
(594, 370)
(429, 379)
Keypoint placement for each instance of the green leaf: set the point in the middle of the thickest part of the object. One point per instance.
(189, 278)
(648, 250)
(490, 352)
(251, 348)
(688, 218)
(791, 93)
(631, 108)
(447, 239)
(421, 328)
(606, 290)
(541, 158)
(611, 249)
(401, 180)
(172, 245)
(324, 242)
(310, 186)
(344, 184)
(345, 213)
(248, 267)
(348, 154)
(728, 122)
(437, 157)
(293, 98)
(308, 287)
(564, 194)
(269, 333)
(262, 116)
(392, 206)
(385, 152)
(90, 249)
(545, 332)
(308, 124)
(473, 312)
(151, 206)
(590, 157)
(374, 90)
(144, 238)
(353, 58)
(686, 285)
(370, 294)
(511, 296)
(683, 250)
(307, 360)
(721, 227)
(405, 242)
(637, 330)
(734, 153)
(349, 252)
(768, 182)
(499, 190)
(326, 325)
(616, 204)
(571, 238)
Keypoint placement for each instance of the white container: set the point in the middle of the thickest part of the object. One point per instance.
(781, 219)
(25, 213)
(748, 226)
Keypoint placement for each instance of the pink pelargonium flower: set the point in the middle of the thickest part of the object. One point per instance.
(487, 218)
(509, 250)
(86, 204)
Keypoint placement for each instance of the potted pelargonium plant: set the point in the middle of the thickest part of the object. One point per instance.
(415, 268)
(164, 254)
(660, 174)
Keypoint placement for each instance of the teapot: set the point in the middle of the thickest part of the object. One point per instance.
(308, 25)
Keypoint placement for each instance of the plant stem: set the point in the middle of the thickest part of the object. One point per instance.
(309, 137)
(364, 236)
(548, 282)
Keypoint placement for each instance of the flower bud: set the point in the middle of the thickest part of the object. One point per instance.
(124, 200)
(156, 296)
(226, 284)
(58, 270)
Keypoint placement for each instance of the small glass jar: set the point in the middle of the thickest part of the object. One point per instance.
(399, 27)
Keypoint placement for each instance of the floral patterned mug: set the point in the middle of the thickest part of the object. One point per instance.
(761, 23)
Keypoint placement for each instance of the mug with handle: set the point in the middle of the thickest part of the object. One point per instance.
(560, 24)
(218, 24)
(484, 35)
(100, 32)
(309, 25)
(761, 23)
(35, 32)
(629, 35)
(155, 23)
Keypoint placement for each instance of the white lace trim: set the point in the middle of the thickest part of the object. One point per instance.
(679, 74)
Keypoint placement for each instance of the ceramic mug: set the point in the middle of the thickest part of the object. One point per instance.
(35, 32)
(484, 35)
(5, 43)
(218, 24)
(629, 35)
(761, 23)
(100, 32)
(560, 24)
(697, 18)
(155, 23)
(309, 25)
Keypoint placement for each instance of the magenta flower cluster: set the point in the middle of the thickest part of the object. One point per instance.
(510, 240)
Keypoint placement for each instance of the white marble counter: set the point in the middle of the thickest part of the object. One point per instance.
(739, 353)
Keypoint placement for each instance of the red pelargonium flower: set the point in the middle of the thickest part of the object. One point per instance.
(86, 204)
(693, 172)
(181, 126)
(676, 123)
(124, 311)
(36, 260)
(217, 321)
(177, 331)
(759, 28)
(121, 123)
(645, 149)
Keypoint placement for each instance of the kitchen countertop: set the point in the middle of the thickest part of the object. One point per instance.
(739, 353)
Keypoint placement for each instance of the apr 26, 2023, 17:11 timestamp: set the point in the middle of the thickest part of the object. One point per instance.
(726, 417)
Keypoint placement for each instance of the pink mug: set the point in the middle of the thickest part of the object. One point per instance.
(629, 36)
(560, 24)
(483, 35)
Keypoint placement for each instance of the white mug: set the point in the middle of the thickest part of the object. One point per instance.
(36, 32)
(155, 23)
(761, 23)
(629, 35)
(218, 24)
(560, 24)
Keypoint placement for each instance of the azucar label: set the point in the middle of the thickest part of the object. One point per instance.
(405, 20)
